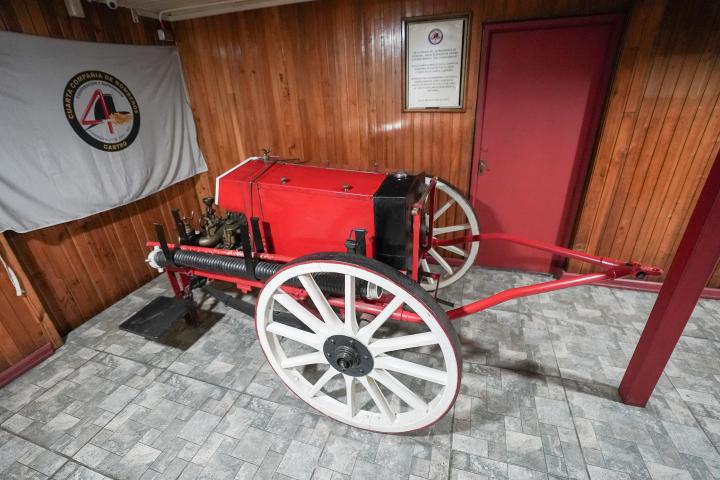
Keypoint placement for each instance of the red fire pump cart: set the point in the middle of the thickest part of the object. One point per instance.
(348, 265)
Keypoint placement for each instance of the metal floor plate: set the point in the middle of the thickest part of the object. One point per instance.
(156, 318)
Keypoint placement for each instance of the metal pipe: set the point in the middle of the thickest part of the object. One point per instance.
(375, 308)
(210, 241)
(234, 268)
(220, 264)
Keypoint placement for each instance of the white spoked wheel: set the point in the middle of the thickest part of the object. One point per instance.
(360, 369)
(453, 261)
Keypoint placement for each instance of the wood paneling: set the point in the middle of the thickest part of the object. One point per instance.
(81, 267)
(322, 81)
(659, 137)
(25, 327)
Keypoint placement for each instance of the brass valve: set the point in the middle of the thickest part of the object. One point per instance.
(266, 154)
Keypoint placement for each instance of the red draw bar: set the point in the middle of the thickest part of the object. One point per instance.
(614, 269)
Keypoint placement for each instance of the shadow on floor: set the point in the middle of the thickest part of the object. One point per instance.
(532, 370)
(183, 335)
(168, 321)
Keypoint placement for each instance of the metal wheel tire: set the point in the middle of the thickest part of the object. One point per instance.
(469, 225)
(359, 369)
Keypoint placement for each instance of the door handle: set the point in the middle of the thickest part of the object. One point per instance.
(481, 167)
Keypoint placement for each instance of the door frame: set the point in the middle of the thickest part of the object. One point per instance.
(590, 131)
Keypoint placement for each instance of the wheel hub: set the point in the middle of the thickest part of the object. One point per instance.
(348, 356)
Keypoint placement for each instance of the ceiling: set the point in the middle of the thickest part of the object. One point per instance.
(184, 9)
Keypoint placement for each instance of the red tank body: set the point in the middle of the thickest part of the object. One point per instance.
(304, 209)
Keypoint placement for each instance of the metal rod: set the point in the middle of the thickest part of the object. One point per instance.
(615, 269)
(160, 232)
(257, 237)
(491, 301)
(182, 233)
(538, 245)
(177, 290)
(528, 290)
(221, 251)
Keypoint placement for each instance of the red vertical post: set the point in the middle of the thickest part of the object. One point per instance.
(693, 264)
(177, 289)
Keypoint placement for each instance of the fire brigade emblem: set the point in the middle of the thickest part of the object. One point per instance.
(102, 110)
(435, 36)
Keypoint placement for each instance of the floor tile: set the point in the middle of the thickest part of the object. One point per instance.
(538, 400)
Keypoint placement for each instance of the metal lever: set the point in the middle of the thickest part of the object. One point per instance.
(182, 232)
(244, 231)
(256, 236)
(160, 233)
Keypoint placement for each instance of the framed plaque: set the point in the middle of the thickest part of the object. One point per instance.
(435, 63)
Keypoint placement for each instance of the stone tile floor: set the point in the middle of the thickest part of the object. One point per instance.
(538, 400)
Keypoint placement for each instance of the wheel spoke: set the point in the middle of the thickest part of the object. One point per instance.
(366, 332)
(321, 303)
(463, 222)
(351, 396)
(453, 228)
(412, 369)
(350, 319)
(440, 211)
(322, 381)
(400, 389)
(426, 268)
(455, 250)
(305, 359)
(402, 343)
(378, 397)
(300, 336)
(443, 263)
(302, 313)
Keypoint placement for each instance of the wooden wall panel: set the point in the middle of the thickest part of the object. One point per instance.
(322, 81)
(659, 136)
(25, 327)
(81, 267)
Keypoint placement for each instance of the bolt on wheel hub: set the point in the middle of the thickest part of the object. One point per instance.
(348, 356)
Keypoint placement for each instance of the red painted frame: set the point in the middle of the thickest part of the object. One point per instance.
(589, 130)
(645, 286)
(614, 269)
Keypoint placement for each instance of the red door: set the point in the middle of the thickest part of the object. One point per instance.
(543, 85)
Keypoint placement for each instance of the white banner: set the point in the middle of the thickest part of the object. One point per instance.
(86, 127)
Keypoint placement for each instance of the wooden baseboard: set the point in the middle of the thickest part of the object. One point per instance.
(645, 286)
(10, 374)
